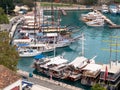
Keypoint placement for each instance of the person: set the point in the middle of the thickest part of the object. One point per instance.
(88, 61)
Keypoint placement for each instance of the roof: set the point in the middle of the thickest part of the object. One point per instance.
(40, 56)
(92, 67)
(57, 60)
(51, 34)
(79, 62)
(7, 77)
(113, 68)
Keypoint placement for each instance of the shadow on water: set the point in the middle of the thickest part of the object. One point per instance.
(73, 83)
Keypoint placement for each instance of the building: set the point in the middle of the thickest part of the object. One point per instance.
(9, 80)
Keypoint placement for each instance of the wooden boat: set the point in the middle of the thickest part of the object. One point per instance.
(110, 75)
(53, 66)
(73, 72)
(90, 74)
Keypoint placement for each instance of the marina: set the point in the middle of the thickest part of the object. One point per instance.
(74, 47)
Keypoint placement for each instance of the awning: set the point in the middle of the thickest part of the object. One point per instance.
(40, 56)
(40, 34)
(51, 34)
(22, 45)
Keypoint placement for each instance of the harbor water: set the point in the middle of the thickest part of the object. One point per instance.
(97, 42)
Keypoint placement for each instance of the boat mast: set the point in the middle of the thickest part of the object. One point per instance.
(52, 12)
(58, 20)
(83, 44)
(39, 18)
(110, 51)
(52, 25)
(116, 50)
(35, 11)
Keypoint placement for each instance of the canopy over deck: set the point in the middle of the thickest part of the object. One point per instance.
(79, 62)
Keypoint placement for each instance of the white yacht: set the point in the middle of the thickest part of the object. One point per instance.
(29, 52)
(96, 23)
(105, 8)
(113, 9)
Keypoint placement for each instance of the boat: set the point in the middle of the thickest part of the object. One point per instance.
(73, 71)
(98, 22)
(110, 75)
(113, 9)
(28, 53)
(93, 19)
(90, 16)
(118, 6)
(90, 74)
(42, 43)
(105, 8)
(34, 47)
(51, 66)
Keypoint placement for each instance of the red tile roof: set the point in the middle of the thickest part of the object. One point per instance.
(7, 77)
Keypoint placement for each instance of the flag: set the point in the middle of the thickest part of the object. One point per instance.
(106, 73)
(50, 76)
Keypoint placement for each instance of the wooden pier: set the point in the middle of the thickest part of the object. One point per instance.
(111, 24)
(63, 12)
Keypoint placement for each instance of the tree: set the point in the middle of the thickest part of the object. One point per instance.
(29, 3)
(8, 54)
(97, 87)
(90, 2)
(118, 1)
(3, 17)
(7, 5)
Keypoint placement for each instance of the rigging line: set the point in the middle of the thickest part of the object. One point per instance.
(35, 11)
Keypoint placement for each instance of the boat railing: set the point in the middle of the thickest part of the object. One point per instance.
(91, 74)
(111, 77)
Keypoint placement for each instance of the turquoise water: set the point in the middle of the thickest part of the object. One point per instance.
(97, 39)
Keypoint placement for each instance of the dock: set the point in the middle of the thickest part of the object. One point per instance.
(13, 29)
(49, 80)
(111, 24)
(63, 12)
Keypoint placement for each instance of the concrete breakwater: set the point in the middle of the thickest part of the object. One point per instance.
(24, 73)
(80, 7)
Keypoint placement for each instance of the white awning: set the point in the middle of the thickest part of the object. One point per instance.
(92, 67)
(51, 34)
(79, 62)
(57, 60)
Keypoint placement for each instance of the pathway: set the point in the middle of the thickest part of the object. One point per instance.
(55, 85)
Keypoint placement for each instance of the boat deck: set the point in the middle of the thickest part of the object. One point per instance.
(114, 67)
